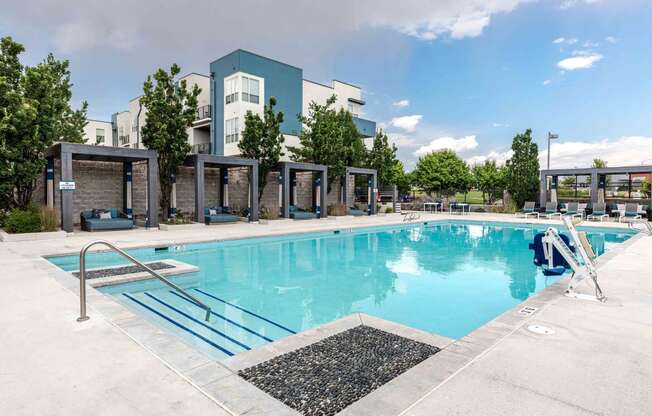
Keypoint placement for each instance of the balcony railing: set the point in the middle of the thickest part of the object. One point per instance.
(204, 148)
(203, 112)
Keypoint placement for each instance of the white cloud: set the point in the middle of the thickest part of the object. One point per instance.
(579, 61)
(460, 145)
(499, 157)
(622, 151)
(494, 124)
(590, 44)
(401, 140)
(401, 103)
(565, 41)
(565, 4)
(547, 82)
(407, 123)
(611, 39)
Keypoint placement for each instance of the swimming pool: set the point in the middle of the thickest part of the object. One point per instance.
(447, 278)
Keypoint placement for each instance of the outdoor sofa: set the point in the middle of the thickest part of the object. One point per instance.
(355, 212)
(105, 219)
(219, 215)
(297, 213)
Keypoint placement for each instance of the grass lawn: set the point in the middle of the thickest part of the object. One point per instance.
(473, 197)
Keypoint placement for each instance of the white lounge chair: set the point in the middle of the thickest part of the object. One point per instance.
(631, 213)
(551, 210)
(528, 209)
(573, 210)
(599, 212)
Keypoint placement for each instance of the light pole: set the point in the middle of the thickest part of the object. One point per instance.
(551, 136)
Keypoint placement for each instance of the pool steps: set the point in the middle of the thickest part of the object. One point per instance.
(231, 329)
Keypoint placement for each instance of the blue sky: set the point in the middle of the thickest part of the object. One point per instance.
(466, 75)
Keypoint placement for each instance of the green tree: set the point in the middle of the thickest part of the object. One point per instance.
(522, 170)
(489, 178)
(400, 178)
(35, 113)
(599, 163)
(442, 173)
(171, 109)
(329, 138)
(382, 157)
(262, 140)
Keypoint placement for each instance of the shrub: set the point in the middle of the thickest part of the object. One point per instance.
(269, 214)
(180, 218)
(389, 210)
(49, 220)
(24, 221)
(337, 210)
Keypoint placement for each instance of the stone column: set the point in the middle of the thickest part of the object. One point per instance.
(127, 169)
(224, 187)
(152, 192)
(345, 191)
(66, 195)
(173, 196)
(199, 190)
(49, 183)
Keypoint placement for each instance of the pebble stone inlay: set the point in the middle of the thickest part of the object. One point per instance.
(327, 376)
(118, 271)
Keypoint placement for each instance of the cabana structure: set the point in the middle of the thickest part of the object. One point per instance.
(372, 187)
(611, 183)
(67, 152)
(202, 161)
(288, 187)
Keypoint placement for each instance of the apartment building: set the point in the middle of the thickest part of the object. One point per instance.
(243, 81)
(99, 133)
(239, 82)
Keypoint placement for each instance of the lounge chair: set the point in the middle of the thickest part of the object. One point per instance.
(573, 210)
(528, 209)
(219, 215)
(599, 212)
(105, 219)
(355, 212)
(631, 213)
(297, 213)
(551, 210)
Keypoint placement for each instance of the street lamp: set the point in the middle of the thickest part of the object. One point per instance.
(551, 136)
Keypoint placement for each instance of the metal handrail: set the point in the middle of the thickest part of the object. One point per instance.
(82, 279)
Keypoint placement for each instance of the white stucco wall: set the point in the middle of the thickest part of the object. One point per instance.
(319, 93)
(90, 132)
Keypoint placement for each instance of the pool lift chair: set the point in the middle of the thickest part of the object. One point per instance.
(578, 257)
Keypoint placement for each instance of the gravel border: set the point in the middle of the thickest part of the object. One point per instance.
(329, 375)
(119, 271)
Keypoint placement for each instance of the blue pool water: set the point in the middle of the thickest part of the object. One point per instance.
(447, 278)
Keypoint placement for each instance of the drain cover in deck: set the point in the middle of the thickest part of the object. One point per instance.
(327, 376)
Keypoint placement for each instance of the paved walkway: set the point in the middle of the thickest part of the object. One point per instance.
(599, 361)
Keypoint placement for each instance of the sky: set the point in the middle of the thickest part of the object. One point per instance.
(461, 74)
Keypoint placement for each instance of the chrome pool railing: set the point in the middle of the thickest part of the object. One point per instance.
(82, 279)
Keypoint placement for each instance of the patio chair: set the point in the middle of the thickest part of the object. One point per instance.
(528, 209)
(631, 213)
(551, 210)
(573, 210)
(599, 212)
(356, 212)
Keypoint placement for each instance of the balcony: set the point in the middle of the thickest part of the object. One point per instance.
(204, 148)
(366, 128)
(203, 112)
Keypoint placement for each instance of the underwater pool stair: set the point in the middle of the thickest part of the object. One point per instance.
(232, 329)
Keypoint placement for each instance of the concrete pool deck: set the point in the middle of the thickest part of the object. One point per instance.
(598, 361)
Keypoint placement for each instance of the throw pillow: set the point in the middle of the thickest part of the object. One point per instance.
(212, 212)
(105, 215)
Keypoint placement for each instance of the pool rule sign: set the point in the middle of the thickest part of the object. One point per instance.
(67, 185)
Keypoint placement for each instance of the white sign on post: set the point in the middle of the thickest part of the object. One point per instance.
(67, 185)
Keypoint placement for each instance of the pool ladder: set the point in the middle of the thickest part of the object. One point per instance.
(82, 279)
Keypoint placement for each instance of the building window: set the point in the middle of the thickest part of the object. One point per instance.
(231, 130)
(250, 90)
(231, 90)
(124, 139)
(353, 110)
(99, 136)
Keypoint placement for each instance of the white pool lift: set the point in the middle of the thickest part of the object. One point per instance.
(583, 267)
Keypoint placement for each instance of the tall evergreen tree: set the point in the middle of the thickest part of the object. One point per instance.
(262, 140)
(330, 138)
(522, 170)
(171, 109)
(35, 113)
